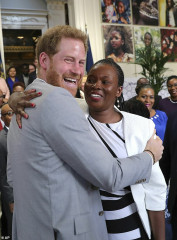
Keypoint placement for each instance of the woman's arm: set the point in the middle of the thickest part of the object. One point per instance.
(157, 221)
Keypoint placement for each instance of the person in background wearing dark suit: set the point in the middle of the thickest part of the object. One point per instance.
(33, 74)
(7, 201)
(168, 165)
(24, 76)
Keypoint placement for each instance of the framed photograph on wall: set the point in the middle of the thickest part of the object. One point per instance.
(168, 13)
(116, 11)
(169, 43)
(145, 12)
(118, 43)
(146, 37)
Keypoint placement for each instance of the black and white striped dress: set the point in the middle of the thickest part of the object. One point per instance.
(122, 219)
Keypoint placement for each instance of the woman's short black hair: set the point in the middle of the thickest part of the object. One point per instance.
(171, 77)
(118, 69)
(136, 107)
(143, 87)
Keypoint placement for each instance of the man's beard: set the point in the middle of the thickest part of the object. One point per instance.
(53, 77)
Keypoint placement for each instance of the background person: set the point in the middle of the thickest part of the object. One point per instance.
(169, 168)
(33, 75)
(136, 107)
(144, 81)
(59, 152)
(7, 201)
(11, 78)
(146, 95)
(18, 87)
(32, 68)
(169, 104)
(24, 74)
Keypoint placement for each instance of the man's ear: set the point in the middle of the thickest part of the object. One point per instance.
(44, 60)
(119, 91)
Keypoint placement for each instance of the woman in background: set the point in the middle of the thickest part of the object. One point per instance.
(169, 104)
(146, 94)
(11, 79)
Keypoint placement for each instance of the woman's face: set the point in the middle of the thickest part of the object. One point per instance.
(172, 88)
(107, 2)
(146, 95)
(101, 88)
(12, 72)
(116, 40)
(147, 40)
(120, 7)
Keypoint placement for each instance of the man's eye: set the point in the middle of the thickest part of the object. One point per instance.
(82, 63)
(68, 60)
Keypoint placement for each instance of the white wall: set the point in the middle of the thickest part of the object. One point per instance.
(24, 4)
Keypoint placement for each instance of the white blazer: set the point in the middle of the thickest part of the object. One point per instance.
(151, 195)
(147, 196)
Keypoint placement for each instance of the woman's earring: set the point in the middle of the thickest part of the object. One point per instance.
(118, 103)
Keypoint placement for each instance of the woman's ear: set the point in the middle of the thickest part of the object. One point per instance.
(119, 91)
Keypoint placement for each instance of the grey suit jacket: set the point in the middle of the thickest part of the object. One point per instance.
(6, 190)
(56, 162)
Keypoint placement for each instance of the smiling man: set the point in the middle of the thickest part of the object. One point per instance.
(54, 161)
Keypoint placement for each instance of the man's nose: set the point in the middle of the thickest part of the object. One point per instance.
(77, 68)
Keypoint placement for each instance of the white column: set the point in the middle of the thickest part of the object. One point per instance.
(87, 13)
(56, 13)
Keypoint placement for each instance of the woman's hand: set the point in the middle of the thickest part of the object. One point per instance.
(18, 101)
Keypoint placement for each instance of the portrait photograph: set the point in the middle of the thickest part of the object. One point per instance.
(146, 38)
(169, 43)
(118, 43)
(116, 11)
(168, 13)
(145, 12)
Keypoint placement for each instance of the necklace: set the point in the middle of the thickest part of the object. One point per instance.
(172, 100)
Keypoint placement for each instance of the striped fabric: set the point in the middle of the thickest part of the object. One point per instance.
(121, 215)
(122, 219)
